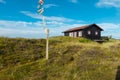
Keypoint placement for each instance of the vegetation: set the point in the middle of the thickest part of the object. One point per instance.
(69, 59)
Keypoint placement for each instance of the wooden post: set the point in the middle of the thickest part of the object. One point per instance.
(47, 43)
(47, 49)
(41, 10)
(44, 23)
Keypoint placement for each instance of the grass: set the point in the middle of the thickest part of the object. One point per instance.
(69, 59)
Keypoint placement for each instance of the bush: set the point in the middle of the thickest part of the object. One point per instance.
(105, 38)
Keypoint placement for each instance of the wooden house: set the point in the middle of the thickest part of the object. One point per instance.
(92, 31)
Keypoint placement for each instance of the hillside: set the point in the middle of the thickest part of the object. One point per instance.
(70, 59)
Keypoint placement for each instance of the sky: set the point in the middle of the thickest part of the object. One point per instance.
(20, 18)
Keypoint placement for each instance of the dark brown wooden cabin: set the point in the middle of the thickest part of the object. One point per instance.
(92, 32)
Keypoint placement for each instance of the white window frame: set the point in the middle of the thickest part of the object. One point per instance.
(75, 34)
(96, 32)
(80, 33)
(71, 34)
(89, 32)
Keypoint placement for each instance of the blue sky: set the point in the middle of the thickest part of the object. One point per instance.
(19, 18)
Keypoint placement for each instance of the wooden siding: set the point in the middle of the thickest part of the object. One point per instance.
(92, 36)
(66, 34)
(92, 32)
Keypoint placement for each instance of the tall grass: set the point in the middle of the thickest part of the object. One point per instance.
(70, 59)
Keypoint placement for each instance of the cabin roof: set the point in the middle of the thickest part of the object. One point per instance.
(82, 28)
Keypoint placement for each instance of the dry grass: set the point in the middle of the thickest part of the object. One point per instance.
(70, 59)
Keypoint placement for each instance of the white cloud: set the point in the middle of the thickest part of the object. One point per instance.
(111, 29)
(62, 19)
(50, 18)
(108, 26)
(50, 5)
(55, 24)
(109, 3)
(31, 29)
(20, 28)
(74, 1)
(35, 29)
(2, 1)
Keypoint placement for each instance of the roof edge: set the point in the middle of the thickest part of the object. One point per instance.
(81, 28)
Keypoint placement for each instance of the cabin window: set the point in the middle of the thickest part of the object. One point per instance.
(96, 33)
(71, 34)
(75, 34)
(89, 32)
(80, 33)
